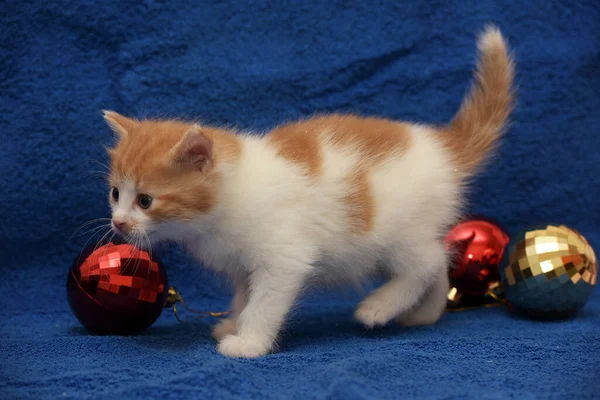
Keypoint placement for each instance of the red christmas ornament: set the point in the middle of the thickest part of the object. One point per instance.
(116, 289)
(476, 245)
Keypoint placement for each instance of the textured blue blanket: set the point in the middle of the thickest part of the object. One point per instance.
(254, 65)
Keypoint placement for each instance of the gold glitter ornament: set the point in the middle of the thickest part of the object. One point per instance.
(549, 273)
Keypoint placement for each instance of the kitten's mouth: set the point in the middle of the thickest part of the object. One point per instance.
(123, 235)
(127, 234)
(139, 239)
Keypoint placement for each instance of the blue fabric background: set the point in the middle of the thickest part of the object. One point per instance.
(253, 65)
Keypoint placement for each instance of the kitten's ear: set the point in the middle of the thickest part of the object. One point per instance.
(194, 150)
(119, 124)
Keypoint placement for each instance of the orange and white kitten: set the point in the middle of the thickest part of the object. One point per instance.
(331, 198)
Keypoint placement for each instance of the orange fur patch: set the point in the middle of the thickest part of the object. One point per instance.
(299, 144)
(142, 156)
(180, 194)
(360, 203)
(374, 140)
(227, 147)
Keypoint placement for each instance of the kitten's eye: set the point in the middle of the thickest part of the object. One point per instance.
(144, 201)
(115, 194)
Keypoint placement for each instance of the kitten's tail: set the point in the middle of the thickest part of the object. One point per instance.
(481, 121)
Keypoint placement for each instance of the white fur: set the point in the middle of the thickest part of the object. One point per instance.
(275, 230)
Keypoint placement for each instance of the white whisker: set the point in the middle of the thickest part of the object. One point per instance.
(87, 224)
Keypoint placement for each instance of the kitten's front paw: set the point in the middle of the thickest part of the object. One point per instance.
(237, 346)
(224, 328)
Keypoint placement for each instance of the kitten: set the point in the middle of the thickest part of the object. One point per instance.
(323, 199)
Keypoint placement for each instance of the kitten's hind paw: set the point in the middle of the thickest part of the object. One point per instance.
(372, 313)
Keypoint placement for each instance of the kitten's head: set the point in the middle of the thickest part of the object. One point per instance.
(162, 173)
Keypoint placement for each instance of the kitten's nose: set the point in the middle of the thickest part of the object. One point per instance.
(120, 225)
